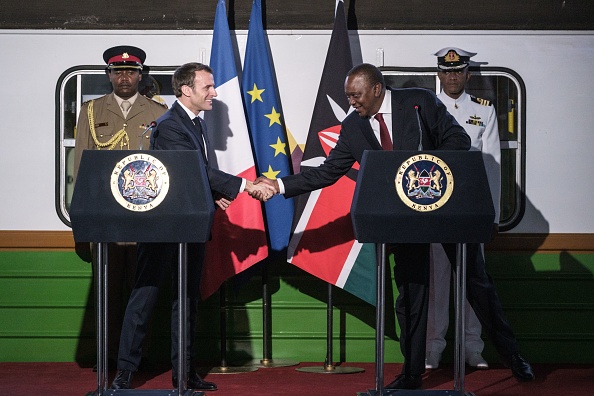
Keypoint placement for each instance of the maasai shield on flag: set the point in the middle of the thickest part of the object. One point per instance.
(323, 242)
(266, 126)
(238, 236)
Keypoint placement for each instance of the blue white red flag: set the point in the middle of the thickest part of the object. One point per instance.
(238, 236)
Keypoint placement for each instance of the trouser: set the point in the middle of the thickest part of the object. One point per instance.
(439, 305)
(411, 272)
(155, 262)
(483, 297)
(120, 281)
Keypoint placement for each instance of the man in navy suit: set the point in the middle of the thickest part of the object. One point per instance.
(413, 117)
(179, 128)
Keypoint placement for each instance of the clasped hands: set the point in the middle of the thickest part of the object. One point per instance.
(262, 188)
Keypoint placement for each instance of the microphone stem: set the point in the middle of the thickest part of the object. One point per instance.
(420, 129)
(148, 128)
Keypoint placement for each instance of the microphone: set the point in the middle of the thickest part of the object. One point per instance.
(420, 129)
(148, 128)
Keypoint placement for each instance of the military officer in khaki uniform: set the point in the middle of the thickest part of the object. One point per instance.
(117, 121)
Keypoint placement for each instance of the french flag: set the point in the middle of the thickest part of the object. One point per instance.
(238, 236)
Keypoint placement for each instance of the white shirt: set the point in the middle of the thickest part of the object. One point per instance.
(480, 122)
(386, 112)
(120, 100)
(192, 116)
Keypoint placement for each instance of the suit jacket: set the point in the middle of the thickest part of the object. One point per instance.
(109, 120)
(176, 131)
(439, 131)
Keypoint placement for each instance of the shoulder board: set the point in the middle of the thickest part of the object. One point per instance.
(482, 102)
(158, 100)
(87, 101)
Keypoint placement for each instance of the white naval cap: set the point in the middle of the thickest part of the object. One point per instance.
(452, 58)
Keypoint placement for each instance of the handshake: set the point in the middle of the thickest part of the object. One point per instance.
(262, 188)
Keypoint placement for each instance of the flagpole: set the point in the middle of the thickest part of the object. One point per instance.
(224, 368)
(267, 361)
(329, 367)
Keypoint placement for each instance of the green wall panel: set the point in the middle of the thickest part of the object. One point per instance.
(47, 311)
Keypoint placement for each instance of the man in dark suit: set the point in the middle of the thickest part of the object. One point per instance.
(180, 128)
(392, 119)
(410, 117)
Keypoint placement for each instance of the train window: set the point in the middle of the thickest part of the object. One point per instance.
(506, 90)
(502, 86)
(75, 86)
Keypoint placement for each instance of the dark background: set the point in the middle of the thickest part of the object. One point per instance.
(300, 14)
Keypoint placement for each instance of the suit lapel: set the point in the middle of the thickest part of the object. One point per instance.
(113, 107)
(208, 149)
(365, 127)
(136, 107)
(397, 120)
(188, 126)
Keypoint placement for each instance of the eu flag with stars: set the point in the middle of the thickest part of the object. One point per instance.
(228, 133)
(267, 127)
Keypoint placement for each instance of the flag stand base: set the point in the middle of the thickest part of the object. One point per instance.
(270, 363)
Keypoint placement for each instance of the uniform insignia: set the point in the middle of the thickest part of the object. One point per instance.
(475, 120)
(482, 102)
(424, 183)
(125, 55)
(452, 56)
(157, 99)
(101, 124)
(139, 182)
(160, 101)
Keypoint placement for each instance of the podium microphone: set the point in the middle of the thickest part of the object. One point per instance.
(420, 129)
(148, 128)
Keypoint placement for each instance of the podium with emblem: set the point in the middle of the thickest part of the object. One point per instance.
(144, 196)
(422, 197)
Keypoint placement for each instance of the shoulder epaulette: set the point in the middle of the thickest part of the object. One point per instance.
(482, 102)
(157, 99)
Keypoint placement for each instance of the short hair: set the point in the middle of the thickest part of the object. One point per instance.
(369, 72)
(185, 74)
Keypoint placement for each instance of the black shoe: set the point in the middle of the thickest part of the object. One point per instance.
(123, 380)
(405, 382)
(520, 367)
(195, 382)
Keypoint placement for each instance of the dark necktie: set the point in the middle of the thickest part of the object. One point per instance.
(201, 137)
(385, 140)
